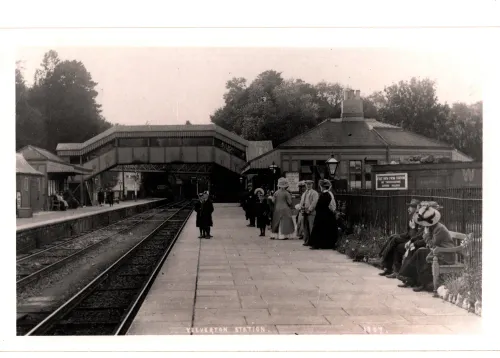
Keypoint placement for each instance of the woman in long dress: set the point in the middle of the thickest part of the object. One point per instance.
(282, 227)
(324, 231)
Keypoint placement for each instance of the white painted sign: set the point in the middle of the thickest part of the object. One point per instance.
(293, 181)
(391, 181)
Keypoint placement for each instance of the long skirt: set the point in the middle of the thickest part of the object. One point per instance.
(286, 228)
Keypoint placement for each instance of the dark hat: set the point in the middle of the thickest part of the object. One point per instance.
(325, 183)
(309, 182)
(414, 203)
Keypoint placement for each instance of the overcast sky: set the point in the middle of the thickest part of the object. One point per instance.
(172, 85)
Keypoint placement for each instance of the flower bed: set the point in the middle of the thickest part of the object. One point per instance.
(465, 290)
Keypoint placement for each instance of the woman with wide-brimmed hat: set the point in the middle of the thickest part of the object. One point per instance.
(282, 226)
(417, 270)
(324, 231)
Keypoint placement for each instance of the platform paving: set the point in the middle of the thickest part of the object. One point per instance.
(240, 283)
(51, 217)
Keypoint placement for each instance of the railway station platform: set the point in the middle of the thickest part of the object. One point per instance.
(44, 218)
(240, 283)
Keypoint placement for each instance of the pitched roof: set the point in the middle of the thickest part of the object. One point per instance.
(256, 148)
(23, 167)
(397, 137)
(363, 133)
(337, 133)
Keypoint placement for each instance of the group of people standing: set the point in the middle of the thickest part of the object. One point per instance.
(408, 256)
(315, 221)
(107, 196)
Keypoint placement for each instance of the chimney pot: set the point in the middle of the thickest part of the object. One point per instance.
(358, 94)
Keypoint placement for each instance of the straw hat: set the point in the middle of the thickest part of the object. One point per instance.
(426, 216)
(309, 182)
(282, 183)
(259, 190)
(302, 183)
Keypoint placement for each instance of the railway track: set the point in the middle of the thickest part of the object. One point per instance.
(32, 267)
(108, 304)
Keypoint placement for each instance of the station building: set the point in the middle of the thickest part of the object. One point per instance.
(356, 142)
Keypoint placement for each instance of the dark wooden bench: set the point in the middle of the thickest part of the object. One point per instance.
(459, 251)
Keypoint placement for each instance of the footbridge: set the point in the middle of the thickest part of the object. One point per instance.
(178, 149)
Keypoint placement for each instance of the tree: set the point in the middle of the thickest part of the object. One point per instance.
(269, 108)
(188, 123)
(412, 105)
(65, 94)
(30, 127)
(329, 98)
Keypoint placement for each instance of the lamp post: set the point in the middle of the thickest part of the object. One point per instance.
(332, 165)
(135, 185)
(273, 168)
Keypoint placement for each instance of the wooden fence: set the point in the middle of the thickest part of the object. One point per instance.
(388, 211)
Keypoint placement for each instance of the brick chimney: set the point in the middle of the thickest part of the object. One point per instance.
(352, 105)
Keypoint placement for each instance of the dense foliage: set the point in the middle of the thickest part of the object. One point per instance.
(278, 109)
(60, 107)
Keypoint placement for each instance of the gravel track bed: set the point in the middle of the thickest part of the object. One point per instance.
(134, 270)
(123, 282)
(51, 256)
(73, 276)
(108, 299)
(86, 330)
(97, 316)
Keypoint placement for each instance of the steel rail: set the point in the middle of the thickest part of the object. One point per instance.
(33, 276)
(76, 299)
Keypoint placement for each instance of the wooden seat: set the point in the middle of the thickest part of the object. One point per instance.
(54, 203)
(459, 251)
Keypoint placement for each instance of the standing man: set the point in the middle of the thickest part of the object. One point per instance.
(308, 203)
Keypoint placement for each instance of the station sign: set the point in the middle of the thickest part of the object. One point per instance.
(391, 181)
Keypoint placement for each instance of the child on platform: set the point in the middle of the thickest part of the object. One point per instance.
(262, 211)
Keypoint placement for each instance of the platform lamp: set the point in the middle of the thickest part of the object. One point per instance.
(332, 164)
(273, 168)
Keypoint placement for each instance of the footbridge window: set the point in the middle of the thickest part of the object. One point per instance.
(133, 142)
(230, 149)
(93, 154)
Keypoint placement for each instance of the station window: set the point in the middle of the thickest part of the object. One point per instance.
(26, 184)
(306, 166)
(368, 173)
(355, 174)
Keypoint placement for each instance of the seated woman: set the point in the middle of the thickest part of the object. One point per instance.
(60, 198)
(324, 231)
(417, 270)
(395, 244)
